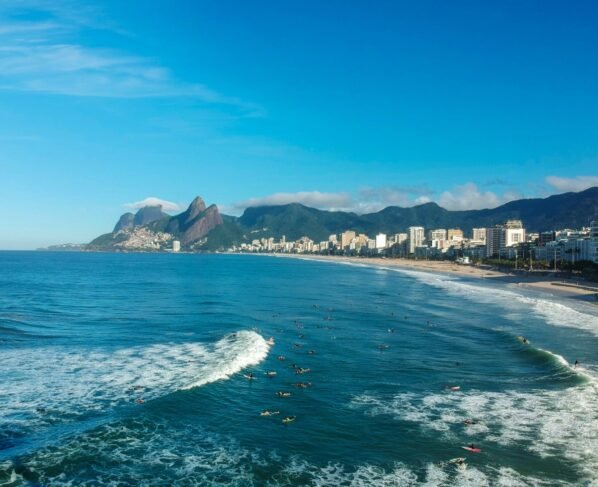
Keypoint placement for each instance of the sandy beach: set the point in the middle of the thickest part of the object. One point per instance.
(572, 288)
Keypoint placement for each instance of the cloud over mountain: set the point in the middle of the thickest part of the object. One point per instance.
(153, 201)
(578, 183)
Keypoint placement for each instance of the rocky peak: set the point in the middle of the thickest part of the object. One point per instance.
(196, 207)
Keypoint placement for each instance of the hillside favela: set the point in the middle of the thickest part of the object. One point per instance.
(298, 244)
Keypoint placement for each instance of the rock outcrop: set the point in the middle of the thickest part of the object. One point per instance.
(195, 222)
(124, 222)
(152, 229)
(149, 214)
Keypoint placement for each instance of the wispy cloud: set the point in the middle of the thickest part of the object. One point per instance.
(578, 183)
(153, 201)
(43, 56)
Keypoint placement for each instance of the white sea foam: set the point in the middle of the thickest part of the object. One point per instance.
(557, 424)
(146, 453)
(45, 384)
(555, 313)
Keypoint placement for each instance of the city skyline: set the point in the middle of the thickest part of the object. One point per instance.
(337, 106)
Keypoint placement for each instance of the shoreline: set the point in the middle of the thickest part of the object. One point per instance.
(544, 284)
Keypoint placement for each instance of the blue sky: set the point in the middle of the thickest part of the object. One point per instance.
(345, 105)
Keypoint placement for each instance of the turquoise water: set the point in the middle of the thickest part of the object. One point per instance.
(129, 370)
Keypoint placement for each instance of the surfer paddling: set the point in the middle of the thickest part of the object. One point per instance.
(267, 412)
(471, 448)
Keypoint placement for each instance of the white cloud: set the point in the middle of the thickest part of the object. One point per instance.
(368, 200)
(153, 201)
(469, 197)
(578, 183)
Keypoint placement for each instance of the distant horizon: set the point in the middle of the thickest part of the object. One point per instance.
(339, 105)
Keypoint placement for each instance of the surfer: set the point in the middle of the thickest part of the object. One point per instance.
(283, 394)
(576, 364)
(271, 373)
(470, 421)
(281, 357)
(267, 412)
(288, 419)
(139, 401)
(249, 376)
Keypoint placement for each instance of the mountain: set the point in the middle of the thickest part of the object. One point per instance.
(152, 229)
(144, 215)
(148, 214)
(202, 227)
(125, 221)
(194, 223)
(568, 210)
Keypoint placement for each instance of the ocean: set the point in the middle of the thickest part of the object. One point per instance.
(150, 369)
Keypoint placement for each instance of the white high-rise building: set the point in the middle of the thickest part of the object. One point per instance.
(176, 246)
(381, 241)
(514, 234)
(416, 238)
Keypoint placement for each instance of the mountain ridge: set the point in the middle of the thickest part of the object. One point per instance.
(204, 228)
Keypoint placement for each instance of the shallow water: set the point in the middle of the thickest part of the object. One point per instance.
(129, 370)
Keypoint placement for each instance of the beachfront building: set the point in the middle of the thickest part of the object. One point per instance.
(493, 239)
(176, 246)
(401, 238)
(381, 241)
(594, 242)
(479, 235)
(513, 234)
(346, 239)
(438, 234)
(454, 234)
(416, 238)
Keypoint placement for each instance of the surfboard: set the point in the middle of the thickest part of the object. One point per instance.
(472, 450)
